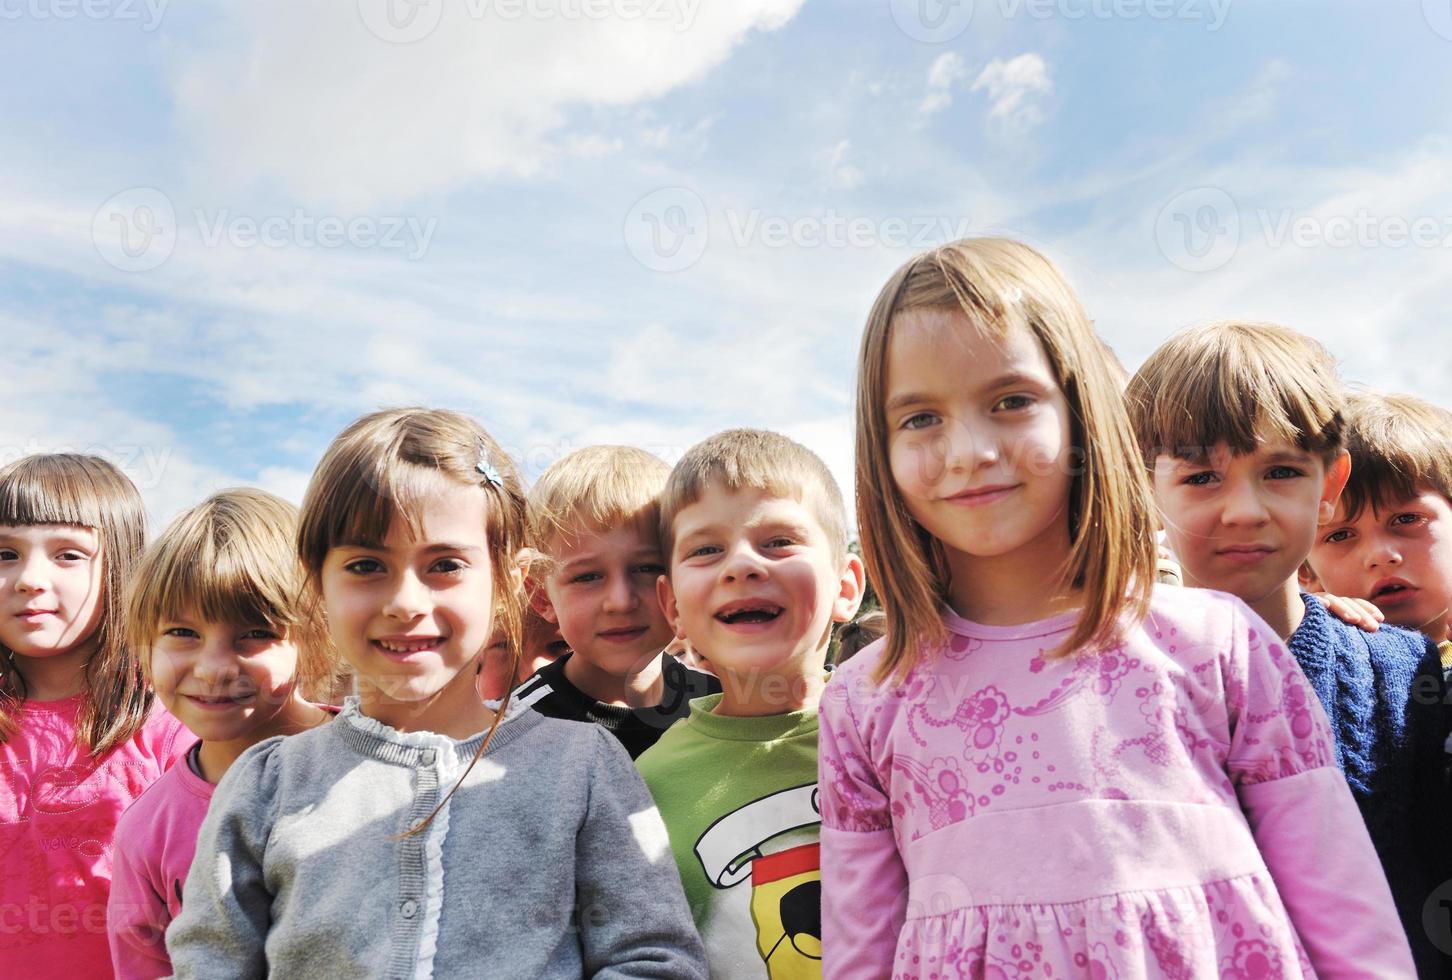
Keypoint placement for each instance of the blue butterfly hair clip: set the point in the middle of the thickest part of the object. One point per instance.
(486, 468)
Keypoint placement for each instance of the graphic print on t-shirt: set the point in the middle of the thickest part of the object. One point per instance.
(773, 842)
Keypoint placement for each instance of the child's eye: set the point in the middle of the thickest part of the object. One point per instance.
(261, 633)
(1337, 536)
(705, 549)
(181, 632)
(780, 542)
(650, 568)
(447, 566)
(1283, 473)
(1199, 479)
(7, 555)
(1405, 520)
(1012, 403)
(364, 566)
(919, 421)
(584, 577)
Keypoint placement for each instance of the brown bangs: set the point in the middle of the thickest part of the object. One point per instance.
(1399, 446)
(1240, 384)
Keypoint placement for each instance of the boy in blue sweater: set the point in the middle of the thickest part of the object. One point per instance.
(1242, 427)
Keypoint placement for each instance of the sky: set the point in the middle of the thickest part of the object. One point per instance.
(228, 229)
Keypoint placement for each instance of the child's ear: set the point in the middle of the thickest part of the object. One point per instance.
(539, 600)
(1337, 473)
(851, 587)
(666, 596)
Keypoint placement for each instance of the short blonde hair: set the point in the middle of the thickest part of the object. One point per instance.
(1001, 286)
(1236, 383)
(595, 488)
(1398, 443)
(755, 459)
(232, 559)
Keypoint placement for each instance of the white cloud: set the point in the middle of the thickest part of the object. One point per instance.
(302, 93)
(841, 175)
(1014, 89)
(947, 70)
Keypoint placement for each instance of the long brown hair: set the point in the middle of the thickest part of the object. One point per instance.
(1000, 286)
(378, 470)
(85, 491)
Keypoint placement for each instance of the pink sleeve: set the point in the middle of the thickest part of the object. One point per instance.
(864, 881)
(1301, 812)
(136, 913)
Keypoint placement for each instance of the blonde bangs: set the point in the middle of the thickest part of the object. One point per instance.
(232, 559)
(595, 489)
(755, 459)
(1240, 384)
(1398, 444)
(1001, 286)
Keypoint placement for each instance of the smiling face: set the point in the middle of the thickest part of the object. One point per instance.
(755, 585)
(600, 589)
(978, 439)
(50, 590)
(1398, 555)
(1243, 522)
(225, 682)
(413, 615)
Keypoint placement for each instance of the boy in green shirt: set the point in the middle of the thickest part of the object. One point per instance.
(755, 532)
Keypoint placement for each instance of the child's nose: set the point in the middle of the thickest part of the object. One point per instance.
(620, 594)
(1243, 506)
(407, 601)
(1382, 552)
(743, 563)
(34, 575)
(215, 663)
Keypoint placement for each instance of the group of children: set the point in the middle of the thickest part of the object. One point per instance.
(433, 724)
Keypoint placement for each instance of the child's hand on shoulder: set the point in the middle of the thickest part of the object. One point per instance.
(1361, 613)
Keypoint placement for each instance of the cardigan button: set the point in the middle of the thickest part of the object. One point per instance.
(427, 757)
(409, 909)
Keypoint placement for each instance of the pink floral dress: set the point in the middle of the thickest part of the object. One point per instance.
(1167, 808)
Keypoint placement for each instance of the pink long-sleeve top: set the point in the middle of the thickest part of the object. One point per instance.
(58, 812)
(1169, 807)
(155, 843)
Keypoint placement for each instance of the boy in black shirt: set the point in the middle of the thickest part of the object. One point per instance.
(593, 527)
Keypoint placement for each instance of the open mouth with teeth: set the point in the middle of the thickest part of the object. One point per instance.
(404, 648)
(749, 613)
(221, 701)
(1391, 590)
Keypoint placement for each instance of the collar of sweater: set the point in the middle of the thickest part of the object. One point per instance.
(369, 736)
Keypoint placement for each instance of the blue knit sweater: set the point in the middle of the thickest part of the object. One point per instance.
(1383, 694)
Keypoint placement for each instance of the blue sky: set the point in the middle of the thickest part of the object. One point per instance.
(230, 228)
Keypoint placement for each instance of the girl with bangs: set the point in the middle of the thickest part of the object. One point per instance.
(230, 649)
(1052, 767)
(425, 832)
(80, 733)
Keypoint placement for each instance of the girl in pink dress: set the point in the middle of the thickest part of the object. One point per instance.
(1051, 767)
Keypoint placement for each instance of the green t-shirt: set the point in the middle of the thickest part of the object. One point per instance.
(739, 797)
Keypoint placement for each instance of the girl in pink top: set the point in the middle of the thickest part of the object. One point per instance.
(1051, 767)
(229, 645)
(80, 733)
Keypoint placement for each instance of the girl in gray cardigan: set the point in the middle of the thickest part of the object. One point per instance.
(424, 833)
